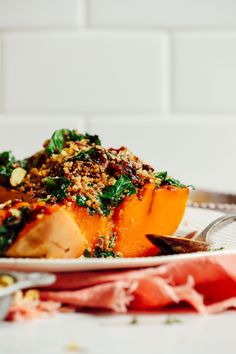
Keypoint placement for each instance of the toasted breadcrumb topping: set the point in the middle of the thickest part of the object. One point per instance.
(76, 168)
(88, 167)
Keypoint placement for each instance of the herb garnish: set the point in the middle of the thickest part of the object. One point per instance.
(59, 137)
(103, 249)
(85, 155)
(87, 253)
(216, 249)
(56, 142)
(81, 200)
(57, 186)
(162, 178)
(6, 161)
(75, 136)
(105, 206)
(93, 139)
(172, 320)
(114, 195)
(111, 196)
(10, 228)
(134, 320)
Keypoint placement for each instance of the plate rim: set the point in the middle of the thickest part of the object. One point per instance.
(93, 264)
(86, 264)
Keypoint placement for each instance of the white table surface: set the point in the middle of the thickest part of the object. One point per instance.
(113, 334)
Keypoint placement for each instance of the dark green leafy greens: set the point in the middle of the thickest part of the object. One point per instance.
(103, 249)
(57, 186)
(11, 227)
(8, 163)
(7, 159)
(56, 142)
(81, 201)
(23, 163)
(101, 253)
(162, 178)
(93, 139)
(114, 195)
(85, 155)
(75, 136)
(105, 206)
(59, 137)
(87, 253)
(111, 196)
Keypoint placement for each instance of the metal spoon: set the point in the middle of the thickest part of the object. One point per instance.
(21, 281)
(176, 244)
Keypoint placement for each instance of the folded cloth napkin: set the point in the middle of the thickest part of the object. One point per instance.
(207, 284)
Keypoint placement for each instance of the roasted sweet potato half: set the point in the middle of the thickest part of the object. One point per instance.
(67, 231)
(77, 198)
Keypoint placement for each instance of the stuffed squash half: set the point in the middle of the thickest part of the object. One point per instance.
(76, 198)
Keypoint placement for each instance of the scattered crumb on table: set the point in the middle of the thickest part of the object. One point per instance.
(172, 320)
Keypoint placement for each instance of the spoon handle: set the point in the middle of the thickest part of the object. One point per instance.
(214, 225)
(26, 280)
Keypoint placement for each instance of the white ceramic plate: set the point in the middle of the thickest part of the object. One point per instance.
(194, 219)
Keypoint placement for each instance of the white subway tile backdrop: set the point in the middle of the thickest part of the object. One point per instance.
(39, 14)
(158, 76)
(1, 74)
(162, 13)
(70, 72)
(204, 69)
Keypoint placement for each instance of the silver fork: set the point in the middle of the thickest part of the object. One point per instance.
(175, 244)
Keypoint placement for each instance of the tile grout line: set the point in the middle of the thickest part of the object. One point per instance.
(82, 5)
(87, 13)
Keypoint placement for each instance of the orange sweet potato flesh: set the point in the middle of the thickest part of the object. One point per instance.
(11, 194)
(130, 220)
(167, 209)
(69, 229)
(159, 212)
(91, 226)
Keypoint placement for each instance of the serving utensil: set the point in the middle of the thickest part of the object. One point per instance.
(176, 244)
(21, 281)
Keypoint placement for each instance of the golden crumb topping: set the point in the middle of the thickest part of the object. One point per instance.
(75, 167)
(78, 168)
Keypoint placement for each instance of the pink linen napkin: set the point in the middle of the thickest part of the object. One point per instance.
(207, 284)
